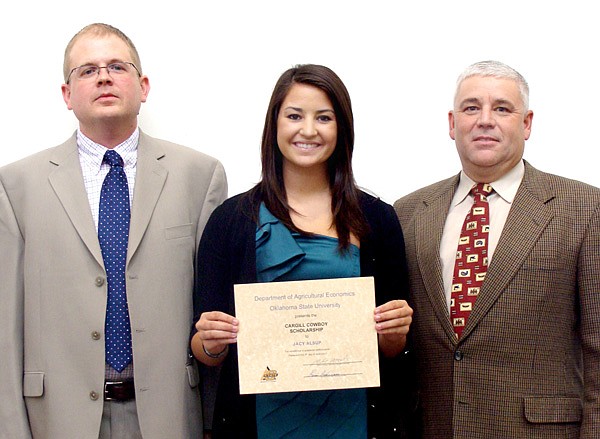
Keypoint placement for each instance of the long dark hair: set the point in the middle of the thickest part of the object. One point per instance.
(347, 215)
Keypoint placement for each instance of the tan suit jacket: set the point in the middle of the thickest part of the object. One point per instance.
(53, 292)
(528, 363)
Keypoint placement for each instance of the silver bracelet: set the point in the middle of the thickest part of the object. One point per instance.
(219, 355)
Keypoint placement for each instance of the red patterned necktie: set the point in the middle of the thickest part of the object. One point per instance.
(471, 258)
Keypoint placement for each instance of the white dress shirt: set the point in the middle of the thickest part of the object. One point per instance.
(94, 171)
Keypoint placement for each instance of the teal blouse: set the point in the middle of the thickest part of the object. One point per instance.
(282, 255)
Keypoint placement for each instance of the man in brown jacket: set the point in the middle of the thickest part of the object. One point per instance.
(516, 355)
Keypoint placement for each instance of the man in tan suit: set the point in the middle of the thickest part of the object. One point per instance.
(56, 382)
(524, 359)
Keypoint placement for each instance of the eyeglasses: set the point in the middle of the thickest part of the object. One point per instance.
(90, 71)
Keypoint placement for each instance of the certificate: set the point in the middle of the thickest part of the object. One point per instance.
(307, 335)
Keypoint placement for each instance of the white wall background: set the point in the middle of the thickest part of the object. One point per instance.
(212, 67)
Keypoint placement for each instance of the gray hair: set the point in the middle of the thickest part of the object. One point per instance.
(499, 70)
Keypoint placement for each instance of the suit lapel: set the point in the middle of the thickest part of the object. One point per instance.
(67, 181)
(527, 219)
(429, 226)
(149, 182)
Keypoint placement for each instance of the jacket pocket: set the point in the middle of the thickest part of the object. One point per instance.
(553, 409)
(33, 384)
(193, 375)
(178, 231)
(544, 264)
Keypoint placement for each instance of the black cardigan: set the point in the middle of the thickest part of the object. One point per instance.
(227, 256)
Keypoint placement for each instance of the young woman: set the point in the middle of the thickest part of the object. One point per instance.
(306, 219)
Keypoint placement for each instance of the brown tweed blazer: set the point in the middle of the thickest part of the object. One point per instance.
(528, 363)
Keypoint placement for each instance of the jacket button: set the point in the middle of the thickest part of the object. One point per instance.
(458, 355)
(93, 395)
(95, 335)
(99, 281)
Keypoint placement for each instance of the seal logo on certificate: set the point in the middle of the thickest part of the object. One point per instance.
(307, 335)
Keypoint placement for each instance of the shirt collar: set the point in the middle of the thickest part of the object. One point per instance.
(506, 186)
(93, 153)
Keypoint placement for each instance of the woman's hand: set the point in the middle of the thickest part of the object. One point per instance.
(392, 323)
(216, 331)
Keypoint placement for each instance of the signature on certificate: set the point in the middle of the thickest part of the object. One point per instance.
(332, 361)
(325, 373)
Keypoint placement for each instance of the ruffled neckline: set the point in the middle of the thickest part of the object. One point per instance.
(277, 252)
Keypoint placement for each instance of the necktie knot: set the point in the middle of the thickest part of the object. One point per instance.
(112, 158)
(482, 189)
